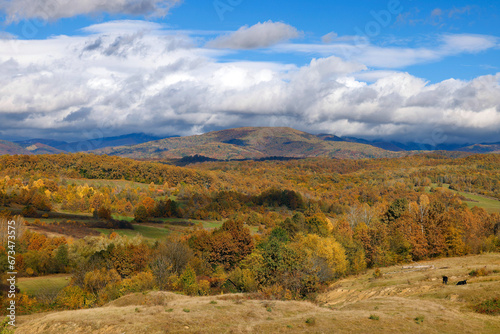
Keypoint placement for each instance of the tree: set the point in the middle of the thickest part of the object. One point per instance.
(141, 214)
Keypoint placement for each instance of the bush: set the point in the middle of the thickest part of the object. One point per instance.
(104, 213)
(74, 297)
(377, 273)
(141, 214)
(419, 319)
(5, 328)
(374, 317)
(30, 212)
(479, 272)
(243, 280)
(143, 281)
(490, 306)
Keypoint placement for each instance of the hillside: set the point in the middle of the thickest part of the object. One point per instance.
(249, 143)
(39, 148)
(7, 147)
(482, 148)
(49, 146)
(405, 299)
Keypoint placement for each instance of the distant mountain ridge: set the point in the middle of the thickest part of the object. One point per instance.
(248, 143)
(88, 145)
(238, 143)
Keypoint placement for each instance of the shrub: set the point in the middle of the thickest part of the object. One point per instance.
(96, 280)
(419, 319)
(374, 317)
(311, 321)
(479, 272)
(143, 281)
(5, 328)
(377, 273)
(243, 280)
(490, 306)
(74, 297)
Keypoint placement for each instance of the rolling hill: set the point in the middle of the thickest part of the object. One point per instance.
(7, 147)
(249, 143)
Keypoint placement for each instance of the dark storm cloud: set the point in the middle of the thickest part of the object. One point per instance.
(80, 114)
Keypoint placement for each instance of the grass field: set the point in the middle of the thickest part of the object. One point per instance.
(146, 231)
(44, 285)
(489, 204)
(486, 203)
(405, 299)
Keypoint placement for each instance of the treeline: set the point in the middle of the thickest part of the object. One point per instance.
(90, 166)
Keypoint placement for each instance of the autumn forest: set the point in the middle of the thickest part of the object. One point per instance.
(280, 229)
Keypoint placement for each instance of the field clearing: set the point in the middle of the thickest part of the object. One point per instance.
(148, 232)
(405, 299)
(489, 204)
(43, 285)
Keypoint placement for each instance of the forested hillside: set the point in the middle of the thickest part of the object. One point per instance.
(285, 229)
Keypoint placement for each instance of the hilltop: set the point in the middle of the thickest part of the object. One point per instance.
(403, 299)
(249, 143)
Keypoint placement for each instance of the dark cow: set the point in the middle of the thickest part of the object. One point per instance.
(445, 279)
(462, 282)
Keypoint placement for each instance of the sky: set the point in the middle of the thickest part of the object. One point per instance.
(401, 70)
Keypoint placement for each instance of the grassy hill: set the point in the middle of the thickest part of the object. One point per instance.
(402, 299)
(249, 143)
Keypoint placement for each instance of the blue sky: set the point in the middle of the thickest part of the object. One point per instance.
(391, 69)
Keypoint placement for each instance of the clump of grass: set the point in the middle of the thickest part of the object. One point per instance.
(490, 306)
(137, 310)
(169, 310)
(374, 317)
(269, 309)
(186, 310)
(419, 319)
(311, 321)
(479, 272)
(213, 302)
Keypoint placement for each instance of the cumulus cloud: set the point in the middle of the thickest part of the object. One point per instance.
(17, 10)
(111, 82)
(260, 35)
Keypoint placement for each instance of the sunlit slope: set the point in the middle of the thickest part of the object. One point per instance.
(249, 143)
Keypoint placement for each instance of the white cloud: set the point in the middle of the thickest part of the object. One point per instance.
(113, 82)
(260, 35)
(17, 10)
(396, 57)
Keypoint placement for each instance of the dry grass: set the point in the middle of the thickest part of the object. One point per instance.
(398, 298)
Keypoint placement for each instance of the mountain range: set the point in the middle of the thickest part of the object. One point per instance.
(238, 143)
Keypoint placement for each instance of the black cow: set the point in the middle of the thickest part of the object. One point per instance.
(445, 279)
(462, 282)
